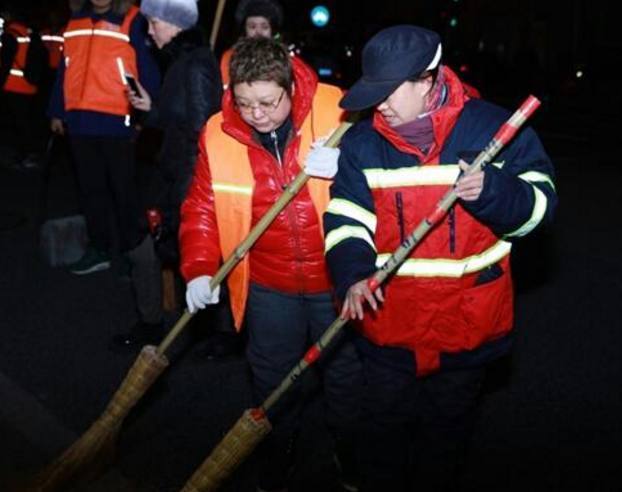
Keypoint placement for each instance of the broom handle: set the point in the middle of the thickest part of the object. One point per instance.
(502, 137)
(290, 192)
(216, 24)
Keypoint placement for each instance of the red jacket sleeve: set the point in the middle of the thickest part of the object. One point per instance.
(199, 242)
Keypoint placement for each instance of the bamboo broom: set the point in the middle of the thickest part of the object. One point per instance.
(97, 443)
(253, 425)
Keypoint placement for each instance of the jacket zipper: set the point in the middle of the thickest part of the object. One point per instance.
(399, 205)
(452, 230)
(275, 141)
(290, 213)
(88, 61)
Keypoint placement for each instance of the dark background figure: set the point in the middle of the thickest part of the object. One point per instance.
(22, 67)
(190, 93)
(253, 18)
(89, 99)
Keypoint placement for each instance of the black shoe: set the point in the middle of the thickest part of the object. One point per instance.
(138, 335)
(92, 261)
(346, 463)
(220, 346)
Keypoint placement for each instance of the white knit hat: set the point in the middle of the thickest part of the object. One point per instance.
(182, 13)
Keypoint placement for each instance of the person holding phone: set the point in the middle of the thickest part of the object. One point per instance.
(190, 93)
(89, 102)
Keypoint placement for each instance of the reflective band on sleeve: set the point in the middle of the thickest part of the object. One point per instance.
(346, 208)
(445, 267)
(16, 72)
(23, 39)
(539, 209)
(445, 174)
(48, 37)
(231, 188)
(537, 177)
(334, 237)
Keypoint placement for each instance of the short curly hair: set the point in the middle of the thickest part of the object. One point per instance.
(260, 59)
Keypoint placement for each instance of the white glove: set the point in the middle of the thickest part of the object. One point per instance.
(199, 294)
(321, 161)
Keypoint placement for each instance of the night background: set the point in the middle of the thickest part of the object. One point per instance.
(551, 415)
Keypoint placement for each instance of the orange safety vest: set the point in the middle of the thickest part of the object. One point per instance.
(54, 44)
(229, 164)
(224, 67)
(16, 81)
(95, 54)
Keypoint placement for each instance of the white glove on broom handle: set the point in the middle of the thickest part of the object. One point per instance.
(199, 294)
(321, 161)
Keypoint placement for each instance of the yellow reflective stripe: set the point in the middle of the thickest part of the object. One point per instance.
(231, 188)
(49, 37)
(97, 32)
(23, 39)
(346, 208)
(445, 267)
(537, 177)
(78, 32)
(334, 237)
(16, 72)
(539, 209)
(410, 176)
(111, 34)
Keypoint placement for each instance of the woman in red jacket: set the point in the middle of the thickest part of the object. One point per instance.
(248, 153)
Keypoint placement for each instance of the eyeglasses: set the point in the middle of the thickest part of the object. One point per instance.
(263, 106)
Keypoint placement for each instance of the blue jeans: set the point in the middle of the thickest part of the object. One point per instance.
(281, 327)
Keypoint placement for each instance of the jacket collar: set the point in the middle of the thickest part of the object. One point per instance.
(305, 84)
(443, 120)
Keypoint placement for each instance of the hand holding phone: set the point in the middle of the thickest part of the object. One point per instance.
(131, 82)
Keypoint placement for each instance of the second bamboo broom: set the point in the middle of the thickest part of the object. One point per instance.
(254, 425)
(95, 446)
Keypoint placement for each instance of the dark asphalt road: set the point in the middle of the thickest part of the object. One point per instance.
(551, 418)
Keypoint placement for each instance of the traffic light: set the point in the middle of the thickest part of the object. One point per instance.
(320, 16)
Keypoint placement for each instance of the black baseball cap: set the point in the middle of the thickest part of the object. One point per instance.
(391, 57)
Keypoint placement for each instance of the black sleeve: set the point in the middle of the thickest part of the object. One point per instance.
(179, 153)
(7, 55)
(520, 195)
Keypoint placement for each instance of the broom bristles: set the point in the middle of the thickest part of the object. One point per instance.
(96, 445)
(230, 452)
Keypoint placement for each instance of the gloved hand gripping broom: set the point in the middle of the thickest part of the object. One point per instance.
(253, 425)
(95, 446)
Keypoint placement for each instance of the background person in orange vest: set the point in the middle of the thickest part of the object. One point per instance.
(447, 311)
(21, 70)
(104, 41)
(272, 113)
(253, 18)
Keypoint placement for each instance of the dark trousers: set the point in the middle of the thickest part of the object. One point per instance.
(23, 126)
(416, 429)
(146, 275)
(281, 327)
(107, 179)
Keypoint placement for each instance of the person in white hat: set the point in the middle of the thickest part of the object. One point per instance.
(190, 94)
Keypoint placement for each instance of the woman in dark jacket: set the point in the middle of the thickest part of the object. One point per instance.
(190, 93)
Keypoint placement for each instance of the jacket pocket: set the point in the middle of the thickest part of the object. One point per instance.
(487, 307)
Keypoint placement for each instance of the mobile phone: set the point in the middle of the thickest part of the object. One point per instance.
(131, 82)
